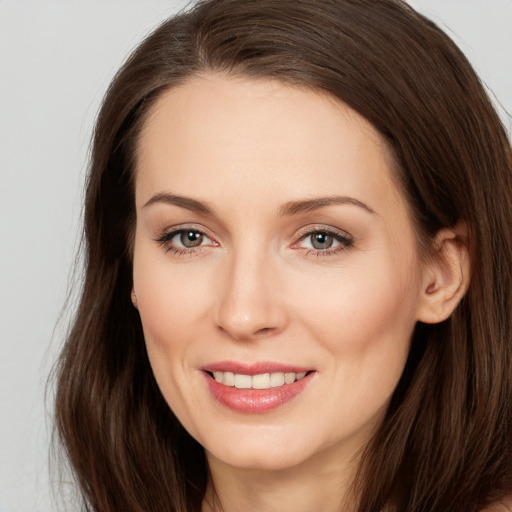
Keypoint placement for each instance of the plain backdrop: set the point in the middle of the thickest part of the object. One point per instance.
(56, 60)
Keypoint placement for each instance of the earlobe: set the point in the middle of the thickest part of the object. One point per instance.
(134, 299)
(446, 275)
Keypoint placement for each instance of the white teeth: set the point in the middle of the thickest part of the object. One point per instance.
(276, 380)
(289, 378)
(228, 379)
(261, 381)
(243, 381)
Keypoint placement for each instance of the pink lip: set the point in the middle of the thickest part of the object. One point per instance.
(254, 368)
(255, 401)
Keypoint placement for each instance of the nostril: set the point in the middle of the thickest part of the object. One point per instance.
(264, 330)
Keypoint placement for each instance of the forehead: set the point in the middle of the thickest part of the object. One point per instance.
(216, 136)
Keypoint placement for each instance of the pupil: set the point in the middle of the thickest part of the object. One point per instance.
(191, 238)
(322, 241)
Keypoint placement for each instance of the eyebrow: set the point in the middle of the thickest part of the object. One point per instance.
(295, 207)
(185, 202)
(289, 208)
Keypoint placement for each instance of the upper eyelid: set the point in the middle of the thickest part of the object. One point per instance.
(173, 230)
(318, 228)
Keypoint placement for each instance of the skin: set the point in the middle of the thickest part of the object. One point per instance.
(256, 289)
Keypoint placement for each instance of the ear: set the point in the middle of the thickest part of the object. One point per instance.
(134, 299)
(446, 275)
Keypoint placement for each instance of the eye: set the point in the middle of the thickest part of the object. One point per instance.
(184, 240)
(324, 242)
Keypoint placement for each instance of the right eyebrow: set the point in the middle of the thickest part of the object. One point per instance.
(181, 201)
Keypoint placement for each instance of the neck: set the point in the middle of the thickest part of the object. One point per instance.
(321, 483)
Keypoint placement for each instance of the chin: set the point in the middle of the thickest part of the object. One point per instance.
(262, 452)
(263, 462)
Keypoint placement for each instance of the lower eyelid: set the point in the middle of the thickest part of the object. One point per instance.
(181, 251)
(334, 251)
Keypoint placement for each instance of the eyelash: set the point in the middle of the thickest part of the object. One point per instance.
(165, 239)
(344, 240)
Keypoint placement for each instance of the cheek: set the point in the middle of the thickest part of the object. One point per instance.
(364, 318)
(376, 309)
(170, 305)
(170, 301)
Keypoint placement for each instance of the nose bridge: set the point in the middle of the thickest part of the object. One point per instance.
(249, 303)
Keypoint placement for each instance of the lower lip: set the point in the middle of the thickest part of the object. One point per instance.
(256, 401)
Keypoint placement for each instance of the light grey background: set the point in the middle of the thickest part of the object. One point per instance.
(56, 59)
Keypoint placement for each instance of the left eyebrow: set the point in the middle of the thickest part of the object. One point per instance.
(307, 205)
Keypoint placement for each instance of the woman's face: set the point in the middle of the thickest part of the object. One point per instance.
(275, 269)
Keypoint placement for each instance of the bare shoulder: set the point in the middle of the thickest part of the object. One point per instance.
(504, 505)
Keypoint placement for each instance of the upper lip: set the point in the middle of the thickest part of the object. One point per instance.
(253, 368)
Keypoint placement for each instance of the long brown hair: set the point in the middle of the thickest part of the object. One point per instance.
(446, 441)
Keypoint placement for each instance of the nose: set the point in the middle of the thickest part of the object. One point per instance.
(250, 297)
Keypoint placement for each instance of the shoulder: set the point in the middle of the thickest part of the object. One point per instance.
(504, 505)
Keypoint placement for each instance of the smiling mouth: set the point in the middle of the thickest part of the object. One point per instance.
(257, 388)
(259, 381)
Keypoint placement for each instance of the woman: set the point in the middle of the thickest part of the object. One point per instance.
(298, 292)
